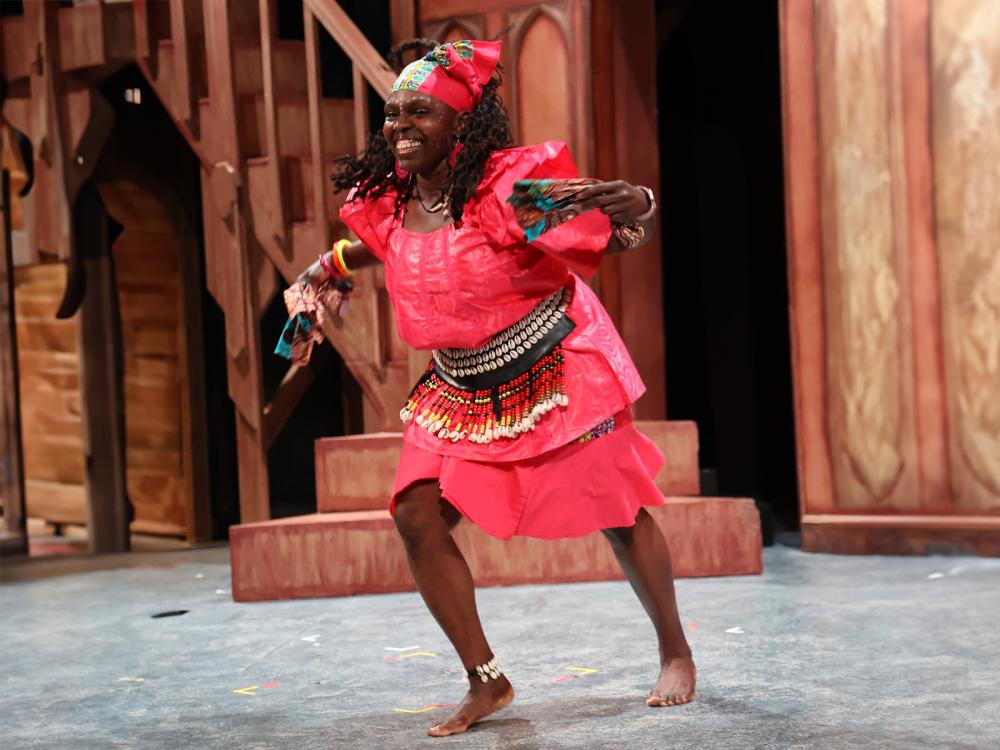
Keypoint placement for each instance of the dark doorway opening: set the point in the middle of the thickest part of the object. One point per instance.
(725, 275)
(146, 146)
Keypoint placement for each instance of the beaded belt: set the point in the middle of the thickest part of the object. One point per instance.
(501, 389)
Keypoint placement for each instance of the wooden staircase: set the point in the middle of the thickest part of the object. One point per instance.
(267, 139)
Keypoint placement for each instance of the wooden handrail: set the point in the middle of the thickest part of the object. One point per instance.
(355, 45)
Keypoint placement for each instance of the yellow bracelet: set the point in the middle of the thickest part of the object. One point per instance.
(338, 257)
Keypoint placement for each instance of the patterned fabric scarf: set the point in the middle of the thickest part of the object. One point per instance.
(455, 72)
(541, 205)
(307, 307)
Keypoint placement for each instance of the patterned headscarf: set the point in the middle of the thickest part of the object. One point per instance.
(455, 72)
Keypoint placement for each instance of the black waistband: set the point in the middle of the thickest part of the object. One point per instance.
(545, 344)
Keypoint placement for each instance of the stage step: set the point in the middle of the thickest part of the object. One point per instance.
(359, 552)
(357, 472)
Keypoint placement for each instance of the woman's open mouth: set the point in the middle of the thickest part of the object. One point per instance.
(407, 146)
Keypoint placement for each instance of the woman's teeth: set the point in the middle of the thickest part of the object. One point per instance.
(406, 146)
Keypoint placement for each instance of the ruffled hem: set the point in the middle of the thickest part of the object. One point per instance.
(571, 491)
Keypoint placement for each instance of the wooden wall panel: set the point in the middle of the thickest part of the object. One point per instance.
(52, 430)
(544, 106)
(965, 46)
(892, 136)
(869, 414)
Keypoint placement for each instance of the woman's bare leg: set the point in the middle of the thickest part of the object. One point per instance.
(645, 559)
(424, 521)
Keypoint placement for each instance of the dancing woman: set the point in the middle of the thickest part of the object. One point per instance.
(521, 424)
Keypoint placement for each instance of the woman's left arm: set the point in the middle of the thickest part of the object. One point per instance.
(623, 203)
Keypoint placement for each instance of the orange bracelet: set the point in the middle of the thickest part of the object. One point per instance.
(337, 256)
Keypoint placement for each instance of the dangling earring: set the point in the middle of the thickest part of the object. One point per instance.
(453, 157)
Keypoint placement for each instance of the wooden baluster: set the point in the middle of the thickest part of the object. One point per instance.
(184, 104)
(276, 206)
(140, 15)
(361, 122)
(361, 129)
(315, 127)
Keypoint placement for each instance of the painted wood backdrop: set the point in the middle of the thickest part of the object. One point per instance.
(892, 140)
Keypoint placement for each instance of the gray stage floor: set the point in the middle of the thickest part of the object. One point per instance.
(819, 652)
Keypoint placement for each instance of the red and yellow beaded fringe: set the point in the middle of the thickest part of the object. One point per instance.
(488, 414)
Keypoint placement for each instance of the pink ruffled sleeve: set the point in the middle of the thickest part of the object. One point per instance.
(371, 220)
(578, 243)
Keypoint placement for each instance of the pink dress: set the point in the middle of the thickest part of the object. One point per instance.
(462, 284)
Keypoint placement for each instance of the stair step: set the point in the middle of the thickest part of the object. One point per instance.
(344, 554)
(357, 472)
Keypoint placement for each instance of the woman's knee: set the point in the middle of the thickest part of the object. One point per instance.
(417, 513)
(622, 536)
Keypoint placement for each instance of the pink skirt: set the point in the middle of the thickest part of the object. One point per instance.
(570, 491)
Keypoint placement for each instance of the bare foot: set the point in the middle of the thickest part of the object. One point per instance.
(676, 683)
(482, 699)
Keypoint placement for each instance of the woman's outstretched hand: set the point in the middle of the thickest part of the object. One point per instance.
(622, 202)
(315, 275)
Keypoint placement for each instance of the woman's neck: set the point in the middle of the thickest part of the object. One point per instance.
(434, 181)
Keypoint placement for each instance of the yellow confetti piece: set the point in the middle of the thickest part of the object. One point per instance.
(247, 690)
(582, 670)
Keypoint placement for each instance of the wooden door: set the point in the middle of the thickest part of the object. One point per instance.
(892, 136)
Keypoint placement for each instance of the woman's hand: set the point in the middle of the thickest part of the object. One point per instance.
(622, 202)
(315, 276)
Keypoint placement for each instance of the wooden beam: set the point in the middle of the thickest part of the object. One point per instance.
(11, 452)
(403, 20)
(291, 390)
(800, 130)
(101, 383)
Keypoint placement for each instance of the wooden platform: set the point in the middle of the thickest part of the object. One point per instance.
(357, 472)
(359, 552)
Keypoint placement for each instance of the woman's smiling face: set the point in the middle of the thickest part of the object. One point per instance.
(419, 129)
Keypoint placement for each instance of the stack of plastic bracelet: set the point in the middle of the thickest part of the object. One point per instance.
(307, 305)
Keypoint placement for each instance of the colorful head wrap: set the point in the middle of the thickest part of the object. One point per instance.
(455, 72)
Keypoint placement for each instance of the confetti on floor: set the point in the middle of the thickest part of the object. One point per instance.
(431, 707)
(401, 648)
(409, 655)
(737, 630)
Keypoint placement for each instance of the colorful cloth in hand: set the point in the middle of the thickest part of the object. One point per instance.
(541, 205)
(306, 306)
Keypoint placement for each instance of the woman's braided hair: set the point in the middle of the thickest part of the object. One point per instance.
(485, 130)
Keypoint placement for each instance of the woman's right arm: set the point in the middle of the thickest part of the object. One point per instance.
(356, 256)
